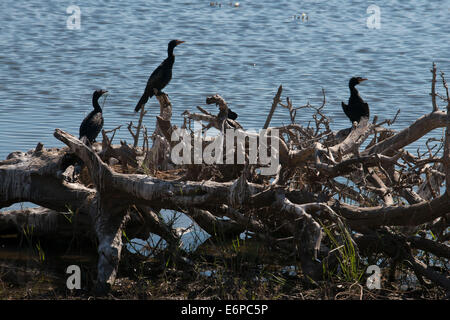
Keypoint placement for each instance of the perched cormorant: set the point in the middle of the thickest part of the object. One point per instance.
(161, 76)
(232, 115)
(93, 123)
(356, 107)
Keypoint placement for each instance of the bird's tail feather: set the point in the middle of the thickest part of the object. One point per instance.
(143, 101)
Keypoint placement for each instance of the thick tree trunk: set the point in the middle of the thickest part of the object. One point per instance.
(295, 203)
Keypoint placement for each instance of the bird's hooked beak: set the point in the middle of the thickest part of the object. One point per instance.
(104, 91)
(180, 42)
(362, 80)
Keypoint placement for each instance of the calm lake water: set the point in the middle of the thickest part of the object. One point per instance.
(48, 71)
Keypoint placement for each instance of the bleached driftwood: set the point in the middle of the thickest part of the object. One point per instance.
(288, 209)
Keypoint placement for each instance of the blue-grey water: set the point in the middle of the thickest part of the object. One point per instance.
(48, 71)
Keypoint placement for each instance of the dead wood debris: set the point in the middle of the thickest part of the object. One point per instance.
(358, 184)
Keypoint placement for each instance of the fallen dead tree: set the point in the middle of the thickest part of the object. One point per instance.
(358, 185)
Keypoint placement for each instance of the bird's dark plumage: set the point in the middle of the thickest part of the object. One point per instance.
(232, 115)
(160, 77)
(93, 123)
(356, 107)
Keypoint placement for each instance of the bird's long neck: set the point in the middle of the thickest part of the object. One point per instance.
(170, 57)
(170, 52)
(95, 104)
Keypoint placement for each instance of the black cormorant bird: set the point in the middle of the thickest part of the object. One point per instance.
(93, 123)
(160, 77)
(356, 107)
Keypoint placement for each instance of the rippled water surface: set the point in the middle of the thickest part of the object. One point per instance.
(48, 72)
